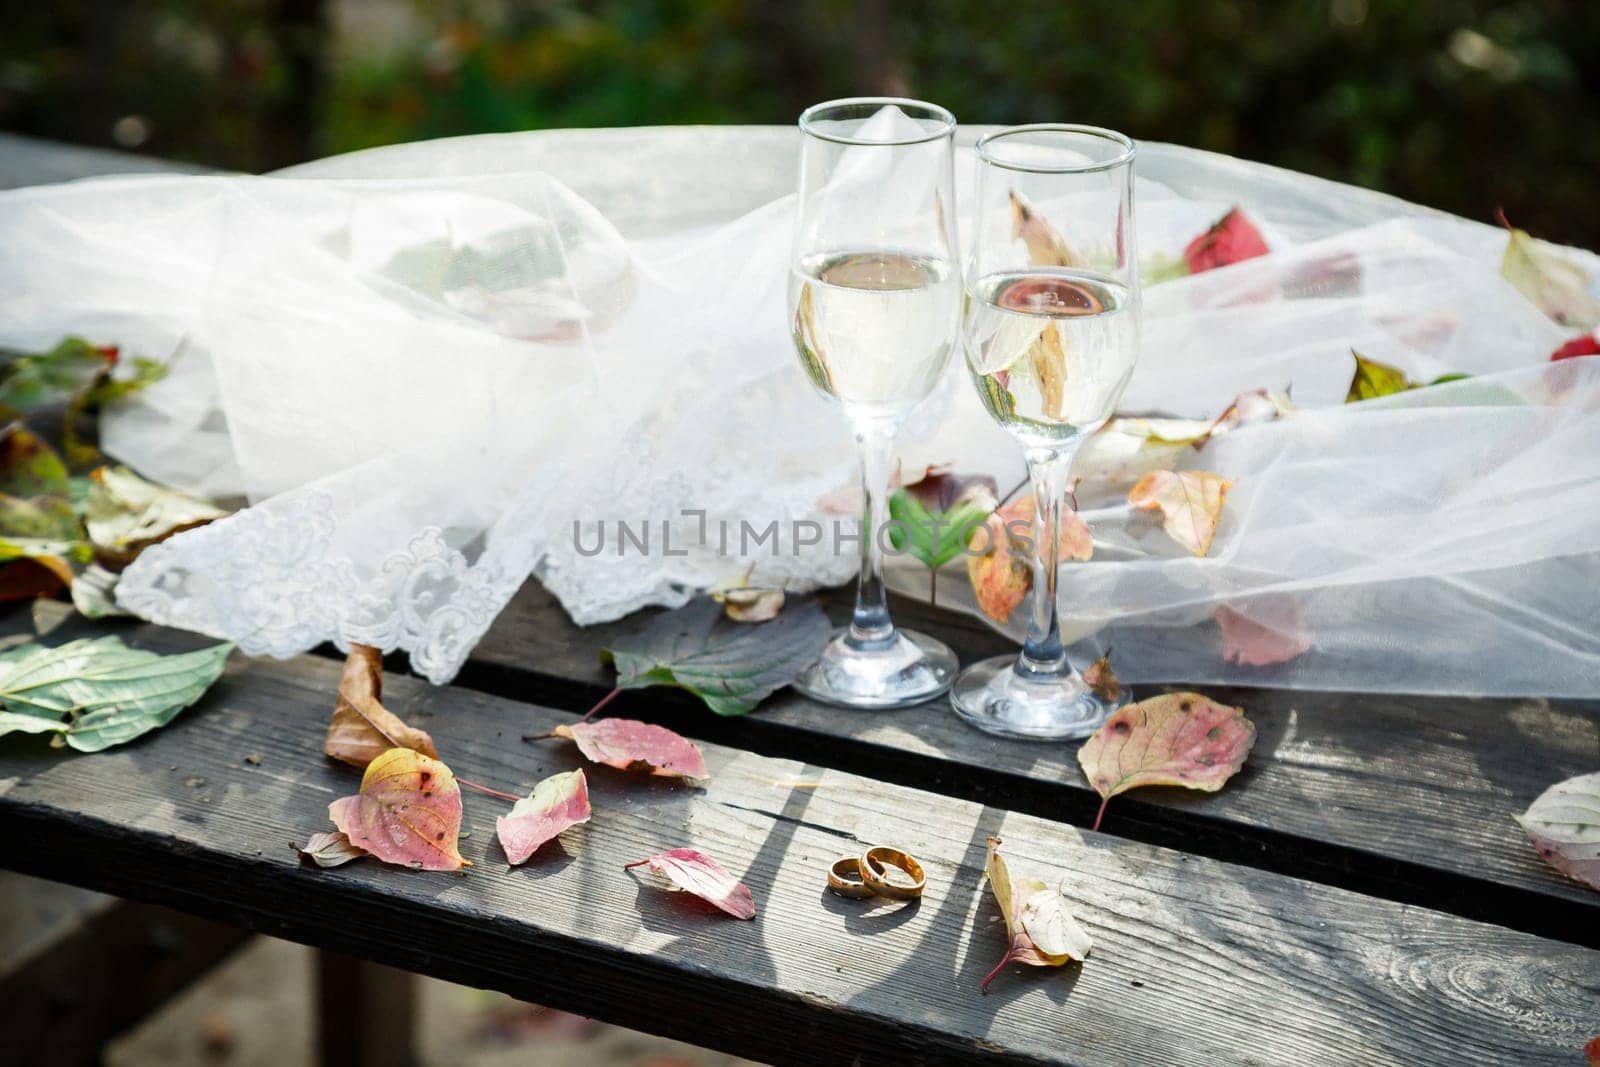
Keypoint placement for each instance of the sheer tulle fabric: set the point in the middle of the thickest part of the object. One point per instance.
(434, 369)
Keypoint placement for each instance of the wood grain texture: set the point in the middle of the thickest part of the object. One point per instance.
(1195, 961)
(1406, 797)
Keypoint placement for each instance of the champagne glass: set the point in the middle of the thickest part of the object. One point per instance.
(875, 310)
(1051, 331)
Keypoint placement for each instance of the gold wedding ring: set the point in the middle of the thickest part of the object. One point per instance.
(874, 865)
(844, 878)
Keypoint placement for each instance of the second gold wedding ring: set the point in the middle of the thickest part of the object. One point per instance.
(875, 863)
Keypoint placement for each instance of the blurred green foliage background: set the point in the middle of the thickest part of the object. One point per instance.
(1466, 105)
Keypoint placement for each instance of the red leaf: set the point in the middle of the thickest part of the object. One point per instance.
(1270, 633)
(631, 745)
(1585, 345)
(558, 803)
(695, 872)
(1234, 238)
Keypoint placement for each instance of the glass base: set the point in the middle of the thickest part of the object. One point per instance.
(994, 696)
(907, 669)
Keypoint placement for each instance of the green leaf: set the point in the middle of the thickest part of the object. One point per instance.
(1374, 379)
(731, 666)
(933, 537)
(49, 378)
(98, 692)
(145, 372)
(29, 466)
(94, 592)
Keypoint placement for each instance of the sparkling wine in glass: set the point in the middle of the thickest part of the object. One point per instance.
(875, 312)
(1050, 333)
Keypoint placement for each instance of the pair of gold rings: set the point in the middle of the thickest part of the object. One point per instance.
(867, 875)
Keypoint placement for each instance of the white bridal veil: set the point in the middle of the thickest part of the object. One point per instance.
(434, 369)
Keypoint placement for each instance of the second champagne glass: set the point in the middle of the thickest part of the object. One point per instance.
(1051, 333)
(874, 306)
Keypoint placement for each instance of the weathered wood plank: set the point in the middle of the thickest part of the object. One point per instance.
(1405, 797)
(1195, 961)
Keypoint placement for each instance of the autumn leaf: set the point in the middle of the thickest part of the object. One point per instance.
(408, 812)
(362, 729)
(1268, 631)
(70, 378)
(125, 514)
(1100, 678)
(97, 692)
(743, 602)
(329, 850)
(1564, 825)
(1002, 575)
(558, 803)
(1190, 503)
(1373, 379)
(29, 467)
(1173, 739)
(1048, 359)
(31, 567)
(1128, 447)
(631, 745)
(695, 872)
(1232, 239)
(1591, 1049)
(1046, 247)
(1583, 345)
(730, 666)
(1556, 285)
(46, 379)
(34, 502)
(1041, 930)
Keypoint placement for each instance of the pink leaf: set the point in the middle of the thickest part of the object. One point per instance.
(1232, 239)
(1270, 633)
(695, 872)
(408, 812)
(1173, 739)
(559, 802)
(631, 745)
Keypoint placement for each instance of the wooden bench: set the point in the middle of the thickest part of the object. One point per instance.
(1196, 959)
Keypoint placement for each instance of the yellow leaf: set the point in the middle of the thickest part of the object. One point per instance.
(1190, 503)
(1555, 284)
(1046, 247)
(1041, 930)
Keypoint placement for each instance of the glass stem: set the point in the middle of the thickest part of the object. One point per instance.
(870, 626)
(1042, 653)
